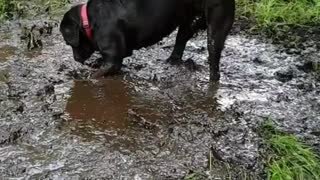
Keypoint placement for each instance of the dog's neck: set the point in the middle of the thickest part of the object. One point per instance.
(85, 21)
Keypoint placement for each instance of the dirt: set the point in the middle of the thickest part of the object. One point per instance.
(154, 121)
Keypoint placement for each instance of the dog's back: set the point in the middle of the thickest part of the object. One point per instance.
(144, 22)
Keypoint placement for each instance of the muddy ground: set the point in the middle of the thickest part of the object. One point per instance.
(154, 121)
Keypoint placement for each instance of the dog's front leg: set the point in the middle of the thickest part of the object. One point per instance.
(112, 49)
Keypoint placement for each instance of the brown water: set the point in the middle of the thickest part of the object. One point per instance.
(111, 104)
(104, 104)
(112, 109)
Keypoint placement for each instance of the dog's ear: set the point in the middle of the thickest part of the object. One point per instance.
(70, 33)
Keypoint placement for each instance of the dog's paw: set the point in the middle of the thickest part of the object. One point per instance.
(96, 64)
(107, 69)
(174, 61)
(98, 74)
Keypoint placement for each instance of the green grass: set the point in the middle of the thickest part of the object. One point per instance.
(289, 158)
(5, 8)
(22, 8)
(273, 13)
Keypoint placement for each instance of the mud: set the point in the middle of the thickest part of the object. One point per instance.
(5, 52)
(154, 120)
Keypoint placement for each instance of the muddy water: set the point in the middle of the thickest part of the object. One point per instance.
(155, 120)
(105, 106)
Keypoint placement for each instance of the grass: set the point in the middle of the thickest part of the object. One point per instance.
(5, 8)
(274, 13)
(289, 158)
(22, 8)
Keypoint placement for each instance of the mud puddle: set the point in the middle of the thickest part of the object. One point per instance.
(156, 120)
(105, 104)
(112, 107)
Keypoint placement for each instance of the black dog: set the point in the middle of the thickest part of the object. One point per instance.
(117, 27)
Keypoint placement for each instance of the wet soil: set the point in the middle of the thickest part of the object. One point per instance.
(154, 121)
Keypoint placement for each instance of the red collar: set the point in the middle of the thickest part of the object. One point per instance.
(85, 21)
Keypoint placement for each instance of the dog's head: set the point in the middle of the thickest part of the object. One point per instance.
(74, 35)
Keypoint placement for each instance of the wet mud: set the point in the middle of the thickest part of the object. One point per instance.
(155, 120)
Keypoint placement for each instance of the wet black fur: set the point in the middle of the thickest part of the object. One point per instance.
(120, 26)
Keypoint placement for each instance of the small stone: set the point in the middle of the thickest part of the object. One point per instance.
(284, 75)
(257, 60)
